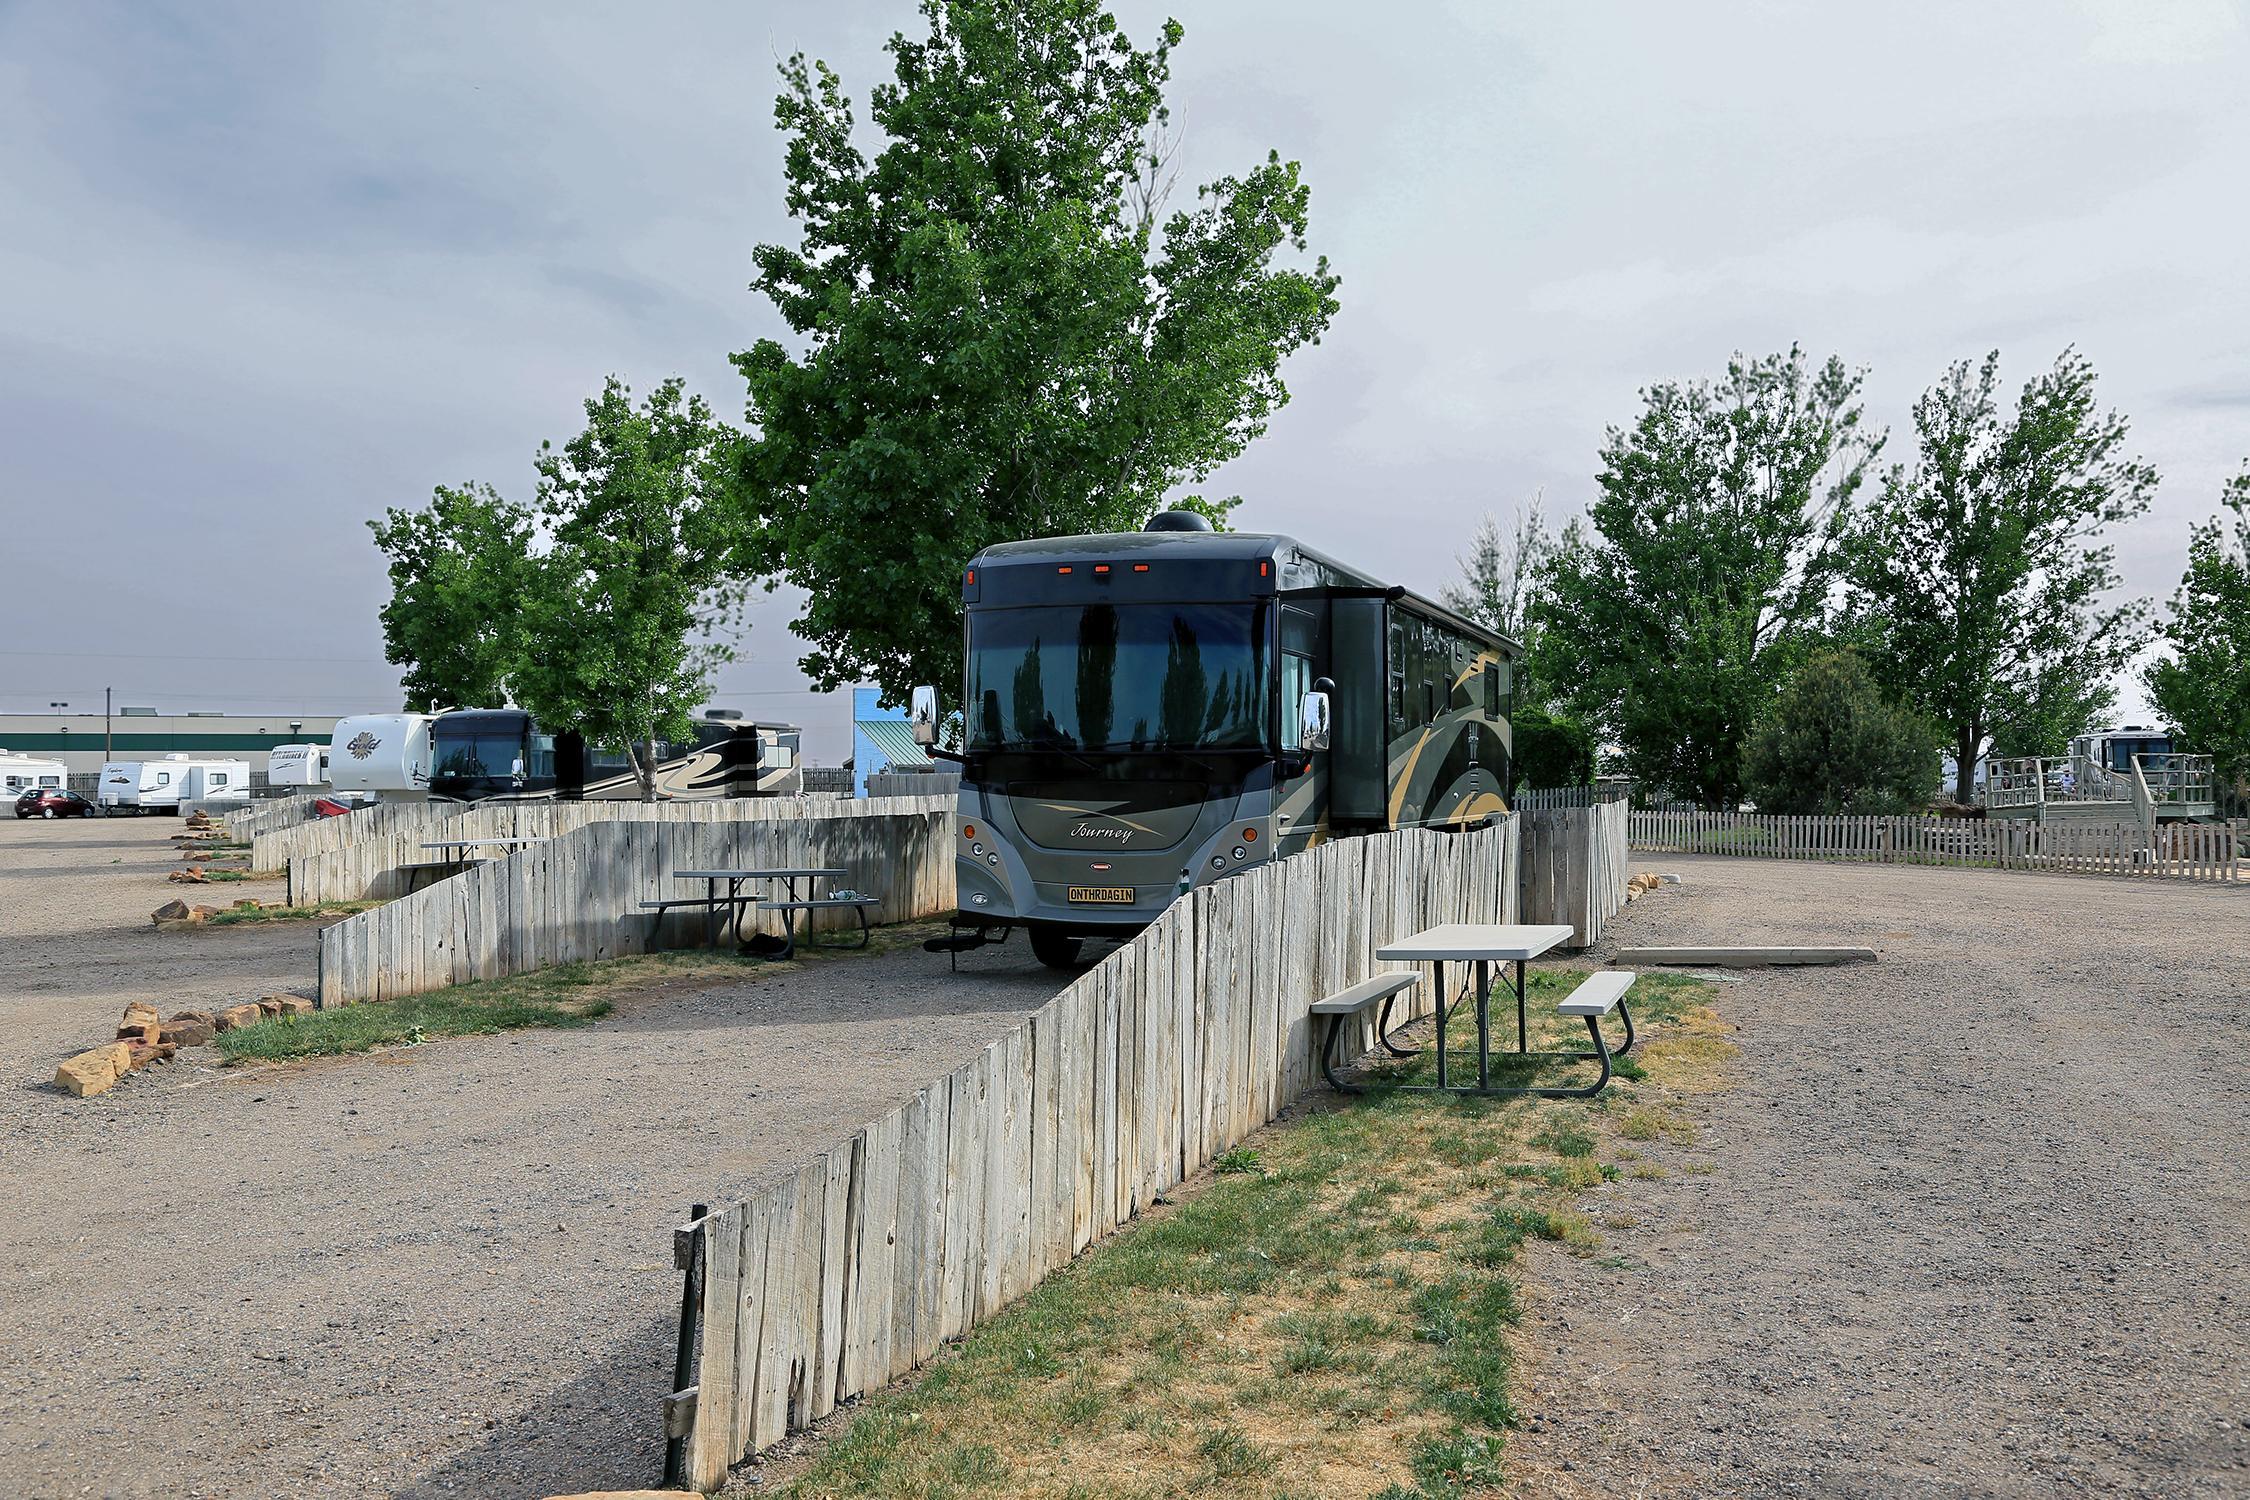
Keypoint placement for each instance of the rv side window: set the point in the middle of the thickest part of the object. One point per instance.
(164, 778)
(1492, 690)
(50, 781)
(1398, 673)
(218, 778)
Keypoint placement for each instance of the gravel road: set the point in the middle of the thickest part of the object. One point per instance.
(437, 1271)
(1973, 1220)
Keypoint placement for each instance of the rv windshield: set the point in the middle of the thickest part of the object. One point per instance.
(1117, 677)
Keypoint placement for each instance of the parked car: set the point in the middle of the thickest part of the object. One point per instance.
(54, 802)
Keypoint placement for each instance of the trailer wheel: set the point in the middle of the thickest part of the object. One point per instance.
(1057, 950)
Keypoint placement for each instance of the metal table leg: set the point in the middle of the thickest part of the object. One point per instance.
(1523, 1031)
(1439, 980)
(1484, 1024)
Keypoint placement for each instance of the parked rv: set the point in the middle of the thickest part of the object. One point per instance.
(381, 756)
(140, 786)
(1150, 711)
(24, 773)
(297, 766)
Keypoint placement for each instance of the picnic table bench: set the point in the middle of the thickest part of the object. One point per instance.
(455, 855)
(1482, 945)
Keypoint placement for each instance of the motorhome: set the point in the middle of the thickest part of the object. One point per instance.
(382, 757)
(297, 766)
(503, 753)
(140, 786)
(22, 773)
(1144, 712)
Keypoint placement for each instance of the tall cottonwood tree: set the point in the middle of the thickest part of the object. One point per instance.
(2203, 687)
(1003, 335)
(624, 619)
(1708, 571)
(457, 571)
(1978, 574)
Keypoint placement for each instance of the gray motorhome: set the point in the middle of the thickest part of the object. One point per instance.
(1147, 711)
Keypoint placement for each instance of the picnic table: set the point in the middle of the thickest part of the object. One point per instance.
(791, 903)
(1482, 945)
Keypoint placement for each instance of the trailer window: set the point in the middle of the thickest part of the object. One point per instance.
(218, 778)
(164, 778)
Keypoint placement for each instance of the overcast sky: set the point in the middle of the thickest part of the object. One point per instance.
(266, 269)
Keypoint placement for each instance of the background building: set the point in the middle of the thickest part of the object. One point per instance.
(76, 739)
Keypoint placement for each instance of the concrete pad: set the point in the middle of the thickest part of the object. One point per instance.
(1743, 958)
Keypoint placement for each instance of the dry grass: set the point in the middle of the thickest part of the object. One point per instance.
(1327, 1317)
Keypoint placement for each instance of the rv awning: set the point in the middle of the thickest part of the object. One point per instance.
(894, 741)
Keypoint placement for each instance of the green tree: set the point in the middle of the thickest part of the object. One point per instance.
(1707, 576)
(1979, 570)
(1000, 339)
(1834, 744)
(621, 607)
(1550, 749)
(1500, 572)
(2204, 686)
(457, 577)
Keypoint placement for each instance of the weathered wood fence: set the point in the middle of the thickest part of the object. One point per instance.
(1573, 866)
(2178, 851)
(267, 814)
(577, 896)
(860, 1263)
(271, 848)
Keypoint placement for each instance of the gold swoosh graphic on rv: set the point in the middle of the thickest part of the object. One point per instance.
(1406, 774)
(1095, 812)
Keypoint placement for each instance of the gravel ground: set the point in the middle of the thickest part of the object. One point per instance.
(1973, 1220)
(443, 1270)
(76, 944)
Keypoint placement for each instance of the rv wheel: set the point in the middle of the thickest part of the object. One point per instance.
(1056, 950)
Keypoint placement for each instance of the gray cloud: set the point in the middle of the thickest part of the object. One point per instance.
(270, 269)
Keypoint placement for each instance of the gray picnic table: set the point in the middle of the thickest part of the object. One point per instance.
(1486, 944)
(791, 902)
(456, 854)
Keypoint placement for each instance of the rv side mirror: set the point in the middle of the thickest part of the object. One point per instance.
(922, 714)
(1312, 721)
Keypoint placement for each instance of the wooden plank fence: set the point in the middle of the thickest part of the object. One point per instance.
(577, 895)
(271, 848)
(859, 1263)
(2174, 851)
(1574, 868)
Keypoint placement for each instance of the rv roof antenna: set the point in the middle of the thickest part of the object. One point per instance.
(1178, 520)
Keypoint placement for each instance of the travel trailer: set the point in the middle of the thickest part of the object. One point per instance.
(381, 757)
(140, 786)
(22, 773)
(1150, 711)
(297, 766)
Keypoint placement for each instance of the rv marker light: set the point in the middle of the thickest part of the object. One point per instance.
(1249, 835)
(969, 831)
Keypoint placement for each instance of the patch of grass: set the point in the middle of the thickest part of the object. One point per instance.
(233, 915)
(1328, 1312)
(565, 995)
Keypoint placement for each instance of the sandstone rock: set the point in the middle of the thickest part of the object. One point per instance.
(295, 1005)
(240, 1015)
(170, 911)
(141, 1054)
(91, 1073)
(270, 1004)
(188, 877)
(186, 1033)
(195, 1015)
(137, 1011)
(627, 1495)
(146, 1031)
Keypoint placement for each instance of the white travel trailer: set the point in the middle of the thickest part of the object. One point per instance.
(140, 786)
(23, 773)
(297, 765)
(381, 757)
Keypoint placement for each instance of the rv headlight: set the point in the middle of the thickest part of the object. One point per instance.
(1218, 861)
(976, 848)
(1240, 852)
(992, 860)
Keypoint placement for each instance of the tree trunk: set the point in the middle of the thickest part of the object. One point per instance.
(1965, 745)
(648, 769)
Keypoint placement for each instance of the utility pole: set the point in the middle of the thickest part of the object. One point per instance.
(107, 752)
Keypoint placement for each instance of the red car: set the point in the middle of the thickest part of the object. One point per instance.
(54, 802)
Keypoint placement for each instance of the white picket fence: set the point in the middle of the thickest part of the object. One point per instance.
(2173, 851)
